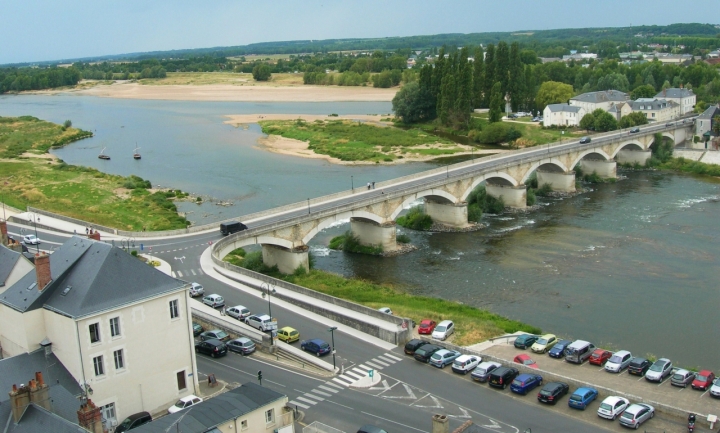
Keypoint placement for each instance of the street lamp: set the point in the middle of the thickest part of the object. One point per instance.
(269, 288)
(332, 330)
(352, 184)
(127, 243)
(37, 245)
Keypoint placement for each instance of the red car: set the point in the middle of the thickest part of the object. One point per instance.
(703, 380)
(600, 357)
(525, 360)
(427, 326)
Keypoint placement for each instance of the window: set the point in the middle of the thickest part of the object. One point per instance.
(269, 416)
(115, 326)
(243, 425)
(181, 380)
(108, 411)
(174, 311)
(94, 332)
(98, 364)
(119, 359)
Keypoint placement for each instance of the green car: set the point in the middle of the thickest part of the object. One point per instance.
(197, 329)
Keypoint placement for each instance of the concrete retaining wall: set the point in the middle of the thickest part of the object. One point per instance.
(31, 225)
(212, 319)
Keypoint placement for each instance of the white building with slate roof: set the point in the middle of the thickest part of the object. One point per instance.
(604, 99)
(562, 115)
(685, 98)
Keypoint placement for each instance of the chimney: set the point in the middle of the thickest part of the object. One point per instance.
(90, 417)
(42, 270)
(3, 232)
(19, 400)
(440, 424)
(39, 392)
(94, 235)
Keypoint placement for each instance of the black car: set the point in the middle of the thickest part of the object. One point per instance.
(635, 130)
(133, 421)
(197, 329)
(424, 352)
(413, 345)
(639, 366)
(585, 140)
(503, 376)
(552, 392)
(213, 347)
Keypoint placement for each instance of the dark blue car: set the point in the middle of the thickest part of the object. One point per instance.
(582, 397)
(558, 350)
(316, 346)
(525, 382)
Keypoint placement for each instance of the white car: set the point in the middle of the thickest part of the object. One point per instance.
(184, 403)
(637, 414)
(465, 363)
(661, 369)
(239, 312)
(619, 361)
(612, 406)
(30, 240)
(715, 388)
(196, 290)
(443, 330)
(214, 300)
(385, 310)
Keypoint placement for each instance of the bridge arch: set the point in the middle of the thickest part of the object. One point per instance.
(666, 134)
(439, 195)
(344, 216)
(552, 165)
(497, 177)
(630, 145)
(240, 242)
(597, 154)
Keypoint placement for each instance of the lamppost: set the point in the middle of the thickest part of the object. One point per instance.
(270, 289)
(127, 243)
(37, 245)
(332, 330)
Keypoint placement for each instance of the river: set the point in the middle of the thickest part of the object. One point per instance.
(631, 265)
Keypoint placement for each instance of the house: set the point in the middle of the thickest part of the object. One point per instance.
(704, 122)
(603, 99)
(620, 109)
(673, 59)
(658, 110)
(685, 98)
(13, 265)
(562, 115)
(249, 407)
(579, 56)
(108, 318)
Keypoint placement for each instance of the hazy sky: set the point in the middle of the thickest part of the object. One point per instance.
(35, 30)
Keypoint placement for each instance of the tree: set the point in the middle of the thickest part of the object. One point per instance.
(502, 66)
(553, 92)
(413, 103)
(716, 125)
(633, 119)
(496, 103)
(587, 122)
(261, 72)
(516, 77)
(604, 121)
(489, 74)
(478, 77)
(463, 96)
(644, 91)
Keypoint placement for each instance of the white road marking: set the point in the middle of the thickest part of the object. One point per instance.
(393, 357)
(324, 394)
(375, 366)
(179, 274)
(298, 404)
(307, 400)
(193, 271)
(341, 382)
(380, 362)
(353, 375)
(314, 397)
(333, 385)
(327, 388)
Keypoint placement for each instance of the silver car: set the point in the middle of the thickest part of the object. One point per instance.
(637, 414)
(239, 312)
(196, 290)
(619, 361)
(682, 378)
(214, 301)
(661, 369)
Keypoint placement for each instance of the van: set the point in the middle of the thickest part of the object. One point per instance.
(579, 351)
(231, 227)
(133, 421)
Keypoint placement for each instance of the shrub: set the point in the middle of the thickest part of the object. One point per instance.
(544, 190)
(134, 253)
(487, 203)
(530, 198)
(351, 244)
(415, 219)
(403, 239)
(474, 213)
(495, 133)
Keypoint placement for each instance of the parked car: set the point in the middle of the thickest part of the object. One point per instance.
(558, 350)
(216, 334)
(682, 378)
(288, 334)
(703, 380)
(715, 388)
(612, 406)
(214, 300)
(544, 343)
(619, 361)
(483, 370)
(585, 140)
(639, 366)
(582, 397)
(525, 340)
(239, 312)
(412, 345)
(536, 119)
(316, 346)
(262, 322)
(502, 377)
(637, 414)
(551, 392)
(424, 352)
(184, 403)
(443, 330)
(525, 383)
(197, 329)
(465, 363)
(385, 310)
(427, 326)
(242, 345)
(444, 357)
(213, 347)
(634, 130)
(600, 357)
(661, 369)
(196, 290)
(525, 360)
(133, 421)
(579, 351)
(31, 240)
(370, 429)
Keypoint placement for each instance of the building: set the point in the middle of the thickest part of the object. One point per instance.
(619, 110)
(120, 327)
(657, 110)
(13, 265)
(562, 115)
(704, 122)
(249, 407)
(579, 56)
(604, 99)
(685, 98)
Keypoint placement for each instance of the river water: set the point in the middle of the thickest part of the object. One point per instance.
(631, 265)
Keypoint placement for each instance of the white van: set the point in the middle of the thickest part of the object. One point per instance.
(579, 351)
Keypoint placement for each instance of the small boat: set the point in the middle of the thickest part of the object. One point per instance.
(102, 154)
(136, 154)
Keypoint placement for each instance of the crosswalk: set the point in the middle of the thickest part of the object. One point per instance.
(331, 387)
(187, 273)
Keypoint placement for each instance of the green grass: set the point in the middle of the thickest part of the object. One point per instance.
(351, 244)
(357, 141)
(692, 167)
(30, 134)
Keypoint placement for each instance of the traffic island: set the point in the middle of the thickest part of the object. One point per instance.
(370, 379)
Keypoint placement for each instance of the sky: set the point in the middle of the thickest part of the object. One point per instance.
(41, 30)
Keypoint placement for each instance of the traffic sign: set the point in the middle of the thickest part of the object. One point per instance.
(370, 373)
(141, 247)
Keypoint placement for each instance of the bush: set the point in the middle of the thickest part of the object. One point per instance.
(487, 203)
(403, 239)
(495, 133)
(67, 124)
(544, 190)
(415, 219)
(474, 213)
(134, 253)
(351, 244)
(530, 198)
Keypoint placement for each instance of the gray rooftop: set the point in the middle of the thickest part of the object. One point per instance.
(675, 93)
(602, 96)
(20, 369)
(8, 258)
(710, 112)
(37, 420)
(100, 277)
(215, 411)
(651, 104)
(556, 108)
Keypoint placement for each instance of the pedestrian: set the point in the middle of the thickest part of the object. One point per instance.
(373, 185)
(368, 185)
(87, 230)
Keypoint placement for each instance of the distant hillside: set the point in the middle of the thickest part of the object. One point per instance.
(566, 38)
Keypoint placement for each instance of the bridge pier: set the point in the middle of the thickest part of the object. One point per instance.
(604, 169)
(449, 214)
(633, 156)
(285, 259)
(513, 196)
(559, 181)
(371, 233)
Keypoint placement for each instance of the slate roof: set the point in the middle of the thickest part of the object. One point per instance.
(651, 104)
(602, 96)
(215, 411)
(37, 420)
(711, 112)
(675, 93)
(8, 258)
(100, 277)
(20, 369)
(556, 108)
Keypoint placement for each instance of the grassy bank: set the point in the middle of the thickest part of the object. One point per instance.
(473, 324)
(29, 176)
(357, 141)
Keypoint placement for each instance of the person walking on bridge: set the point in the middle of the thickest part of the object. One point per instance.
(368, 185)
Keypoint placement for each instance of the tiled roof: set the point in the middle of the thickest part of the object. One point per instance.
(557, 108)
(602, 96)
